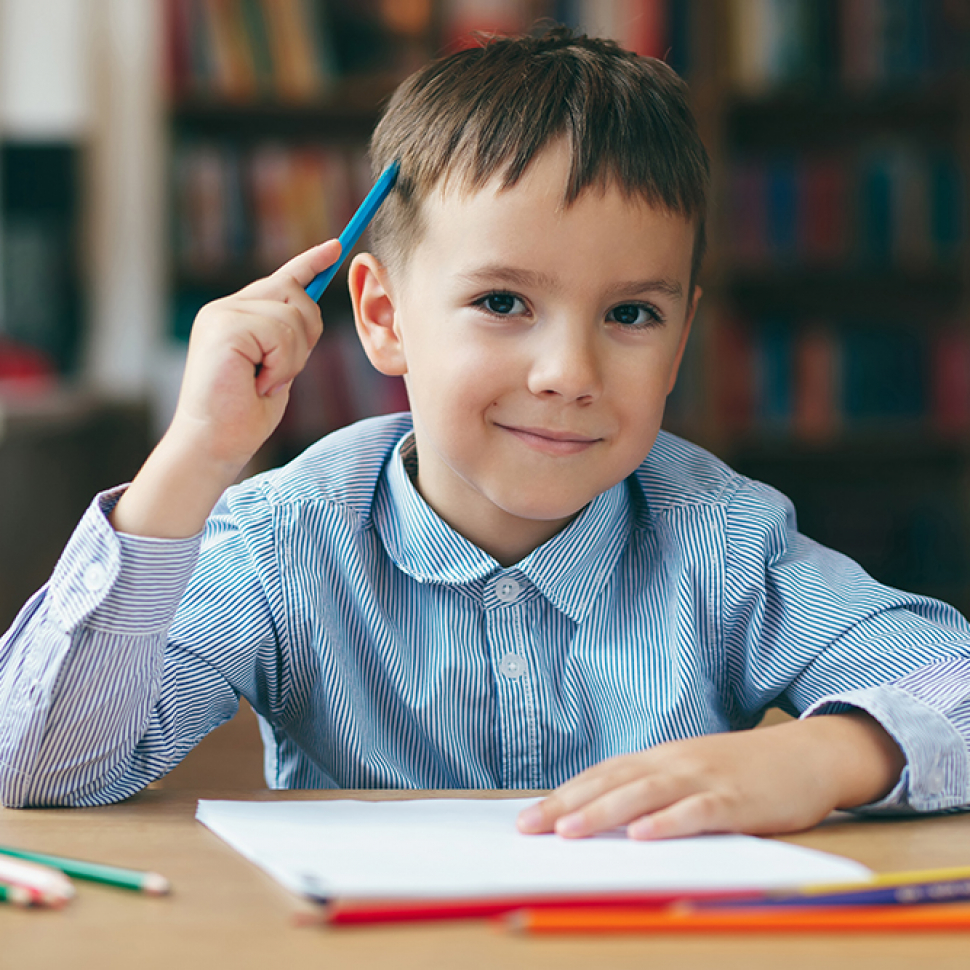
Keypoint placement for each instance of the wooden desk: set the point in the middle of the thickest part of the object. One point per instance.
(224, 912)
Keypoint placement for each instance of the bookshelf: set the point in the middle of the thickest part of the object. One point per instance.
(831, 356)
(839, 330)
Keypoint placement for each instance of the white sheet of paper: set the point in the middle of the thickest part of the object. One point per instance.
(455, 847)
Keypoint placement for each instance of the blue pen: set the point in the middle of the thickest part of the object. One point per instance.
(355, 227)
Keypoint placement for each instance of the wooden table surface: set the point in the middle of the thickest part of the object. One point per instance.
(224, 912)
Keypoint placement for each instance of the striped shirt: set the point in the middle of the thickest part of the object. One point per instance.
(382, 649)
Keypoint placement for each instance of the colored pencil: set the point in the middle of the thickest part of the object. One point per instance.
(47, 886)
(146, 882)
(900, 878)
(358, 223)
(941, 918)
(348, 912)
(15, 895)
(917, 886)
(907, 893)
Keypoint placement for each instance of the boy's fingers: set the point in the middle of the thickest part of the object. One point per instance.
(577, 793)
(274, 343)
(294, 276)
(542, 816)
(697, 814)
(280, 324)
(308, 264)
(623, 804)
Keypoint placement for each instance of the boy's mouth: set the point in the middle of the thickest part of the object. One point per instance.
(551, 442)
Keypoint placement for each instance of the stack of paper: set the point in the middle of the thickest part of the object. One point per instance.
(470, 848)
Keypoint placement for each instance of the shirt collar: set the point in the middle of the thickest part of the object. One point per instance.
(569, 570)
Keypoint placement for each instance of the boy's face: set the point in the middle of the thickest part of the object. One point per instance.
(538, 346)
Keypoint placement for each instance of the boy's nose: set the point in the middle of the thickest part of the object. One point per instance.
(565, 364)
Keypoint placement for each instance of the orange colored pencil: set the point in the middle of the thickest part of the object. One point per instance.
(933, 918)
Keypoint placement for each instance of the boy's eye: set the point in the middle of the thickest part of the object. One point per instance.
(635, 315)
(502, 304)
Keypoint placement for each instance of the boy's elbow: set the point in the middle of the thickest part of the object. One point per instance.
(15, 792)
(14, 788)
(20, 790)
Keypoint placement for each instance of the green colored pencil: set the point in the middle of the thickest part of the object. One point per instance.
(16, 895)
(146, 882)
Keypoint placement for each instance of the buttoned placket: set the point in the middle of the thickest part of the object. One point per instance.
(508, 605)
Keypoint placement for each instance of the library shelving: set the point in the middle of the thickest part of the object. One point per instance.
(838, 362)
(269, 107)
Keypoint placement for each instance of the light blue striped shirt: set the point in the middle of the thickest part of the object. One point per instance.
(382, 649)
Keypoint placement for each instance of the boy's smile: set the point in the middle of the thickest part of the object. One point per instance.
(538, 345)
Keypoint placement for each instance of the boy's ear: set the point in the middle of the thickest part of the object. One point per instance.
(375, 314)
(695, 299)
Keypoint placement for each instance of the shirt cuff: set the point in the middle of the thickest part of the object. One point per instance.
(937, 775)
(119, 583)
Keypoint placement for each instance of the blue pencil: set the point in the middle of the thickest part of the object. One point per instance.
(358, 223)
(936, 891)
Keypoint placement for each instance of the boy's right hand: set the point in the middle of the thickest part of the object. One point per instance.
(244, 352)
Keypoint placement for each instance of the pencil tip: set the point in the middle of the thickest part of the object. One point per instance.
(155, 884)
(19, 896)
(516, 921)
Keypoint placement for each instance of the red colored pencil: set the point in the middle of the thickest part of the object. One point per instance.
(351, 912)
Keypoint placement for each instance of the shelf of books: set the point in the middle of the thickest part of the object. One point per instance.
(840, 326)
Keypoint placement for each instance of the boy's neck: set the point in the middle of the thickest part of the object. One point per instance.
(506, 538)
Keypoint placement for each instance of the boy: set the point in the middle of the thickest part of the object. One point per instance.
(523, 583)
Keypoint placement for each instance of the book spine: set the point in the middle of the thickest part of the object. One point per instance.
(775, 375)
(735, 385)
(178, 49)
(891, 207)
(817, 384)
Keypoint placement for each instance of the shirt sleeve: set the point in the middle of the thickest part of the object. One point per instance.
(808, 630)
(102, 689)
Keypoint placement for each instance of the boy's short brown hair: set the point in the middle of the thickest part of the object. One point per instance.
(489, 111)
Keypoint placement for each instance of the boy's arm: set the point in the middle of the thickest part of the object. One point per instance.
(94, 702)
(102, 690)
(80, 669)
(244, 352)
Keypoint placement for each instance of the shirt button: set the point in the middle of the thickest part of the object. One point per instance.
(513, 665)
(507, 589)
(936, 780)
(94, 577)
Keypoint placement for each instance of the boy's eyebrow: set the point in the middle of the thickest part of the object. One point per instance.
(665, 287)
(488, 275)
(512, 276)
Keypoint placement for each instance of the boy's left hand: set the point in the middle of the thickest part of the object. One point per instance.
(776, 779)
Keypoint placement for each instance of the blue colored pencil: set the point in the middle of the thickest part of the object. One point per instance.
(936, 891)
(358, 223)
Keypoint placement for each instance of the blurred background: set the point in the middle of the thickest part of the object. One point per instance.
(155, 154)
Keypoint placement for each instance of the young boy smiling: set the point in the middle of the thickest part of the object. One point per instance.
(523, 583)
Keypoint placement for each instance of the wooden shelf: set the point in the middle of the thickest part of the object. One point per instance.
(881, 293)
(900, 444)
(349, 109)
(836, 118)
